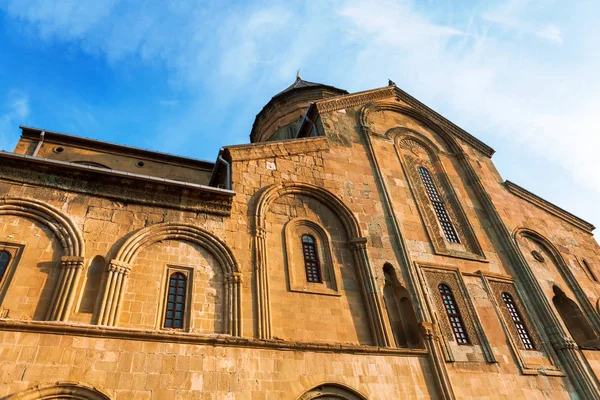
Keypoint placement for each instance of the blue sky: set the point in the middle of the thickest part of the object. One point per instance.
(188, 77)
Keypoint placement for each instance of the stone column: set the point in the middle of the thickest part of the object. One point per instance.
(116, 283)
(233, 318)
(436, 358)
(372, 300)
(263, 304)
(65, 288)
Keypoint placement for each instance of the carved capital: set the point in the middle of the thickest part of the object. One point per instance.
(72, 262)
(260, 232)
(119, 267)
(427, 330)
(358, 243)
(561, 342)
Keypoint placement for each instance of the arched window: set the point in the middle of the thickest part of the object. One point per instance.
(311, 259)
(438, 206)
(456, 321)
(4, 262)
(518, 321)
(176, 298)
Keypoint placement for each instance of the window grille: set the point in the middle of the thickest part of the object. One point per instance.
(438, 206)
(175, 310)
(311, 259)
(456, 321)
(4, 262)
(518, 321)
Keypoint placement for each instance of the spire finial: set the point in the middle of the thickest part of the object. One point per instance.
(298, 75)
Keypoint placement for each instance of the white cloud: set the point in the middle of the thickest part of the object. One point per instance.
(13, 111)
(551, 33)
(489, 69)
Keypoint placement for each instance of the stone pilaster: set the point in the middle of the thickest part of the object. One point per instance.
(358, 247)
(66, 286)
(114, 290)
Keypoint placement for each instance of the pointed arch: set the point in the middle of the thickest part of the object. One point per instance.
(335, 391)
(60, 390)
(356, 241)
(67, 232)
(120, 267)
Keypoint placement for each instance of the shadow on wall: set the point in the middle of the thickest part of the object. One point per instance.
(576, 322)
(400, 311)
(91, 287)
(52, 270)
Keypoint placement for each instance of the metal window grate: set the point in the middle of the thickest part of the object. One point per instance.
(456, 321)
(438, 206)
(4, 261)
(175, 301)
(311, 259)
(518, 321)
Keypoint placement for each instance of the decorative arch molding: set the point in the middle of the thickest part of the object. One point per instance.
(564, 270)
(329, 272)
(72, 243)
(60, 390)
(271, 193)
(414, 150)
(71, 238)
(357, 245)
(448, 138)
(120, 267)
(401, 134)
(332, 391)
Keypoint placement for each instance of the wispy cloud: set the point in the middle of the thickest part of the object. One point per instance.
(508, 71)
(551, 33)
(13, 110)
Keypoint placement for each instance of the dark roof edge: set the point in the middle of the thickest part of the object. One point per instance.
(117, 173)
(549, 207)
(69, 138)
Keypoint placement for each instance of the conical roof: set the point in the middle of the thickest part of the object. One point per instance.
(301, 83)
(290, 103)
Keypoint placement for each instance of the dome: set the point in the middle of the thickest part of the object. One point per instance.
(282, 115)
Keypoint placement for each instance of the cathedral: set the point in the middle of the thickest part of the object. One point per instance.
(360, 247)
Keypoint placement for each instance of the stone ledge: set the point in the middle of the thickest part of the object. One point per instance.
(104, 332)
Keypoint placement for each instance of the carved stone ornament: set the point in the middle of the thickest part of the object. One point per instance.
(538, 256)
(413, 146)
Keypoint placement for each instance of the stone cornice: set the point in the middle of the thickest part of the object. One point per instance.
(111, 148)
(96, 331)
(356, 99)
(115, 185)
(283, 148)
(549, 207)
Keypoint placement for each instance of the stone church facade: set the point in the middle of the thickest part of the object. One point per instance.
(361, 247)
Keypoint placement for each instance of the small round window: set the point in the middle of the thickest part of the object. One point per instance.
(140, 164)
(59, 149)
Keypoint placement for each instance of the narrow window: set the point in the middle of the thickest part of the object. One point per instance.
(456, 321)
(175, 301)
(589, 270)
(4, 261)
(311, 259)
(438, 206)
(518, 321)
